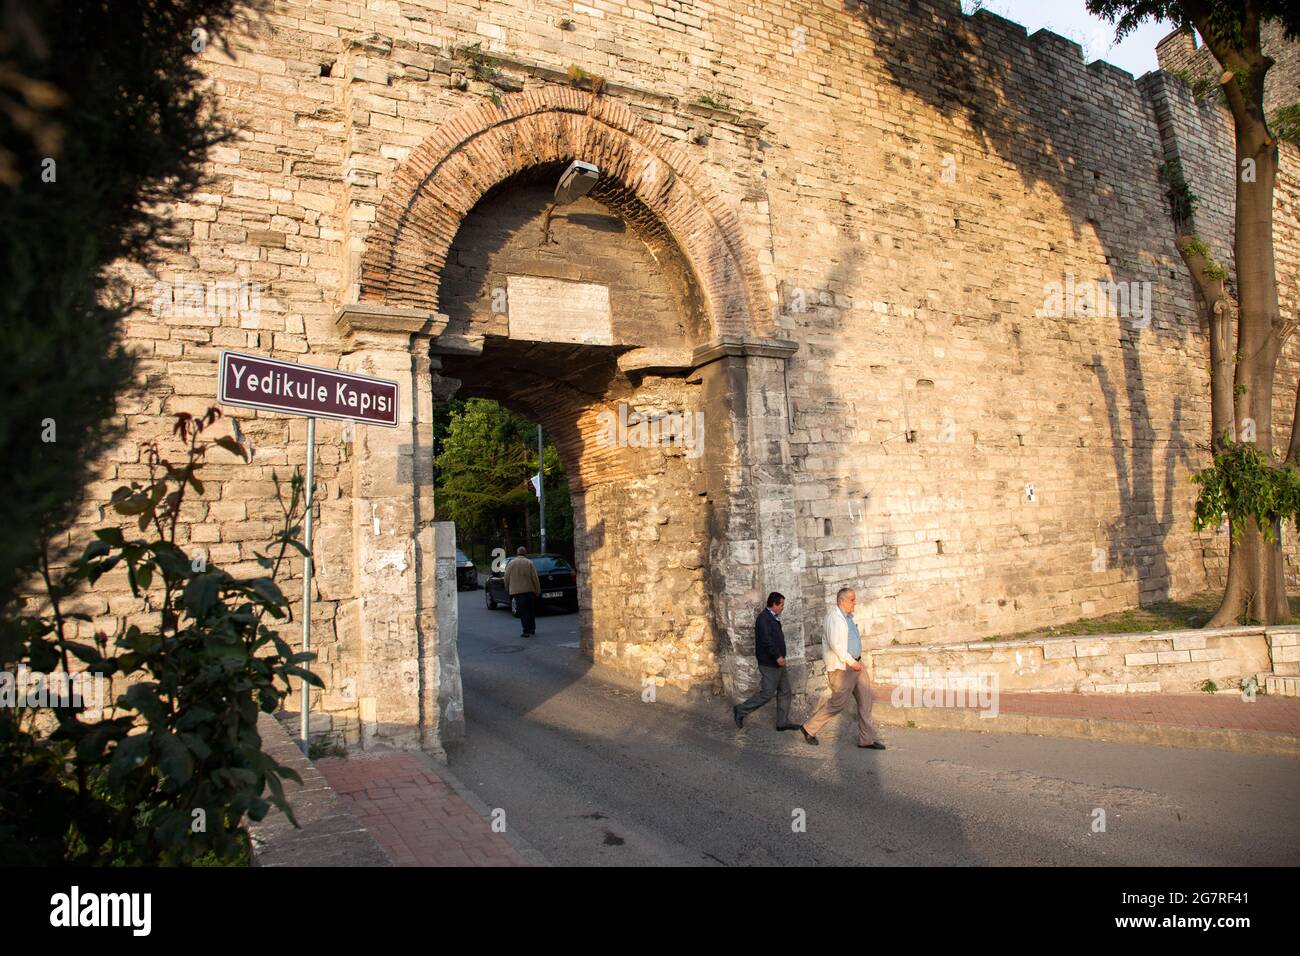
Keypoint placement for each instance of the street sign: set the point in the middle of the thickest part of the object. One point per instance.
(252, 381)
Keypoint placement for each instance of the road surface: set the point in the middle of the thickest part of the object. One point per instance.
(589, 774)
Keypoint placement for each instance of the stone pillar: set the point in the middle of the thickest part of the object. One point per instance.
(754, 546)
(409, 681)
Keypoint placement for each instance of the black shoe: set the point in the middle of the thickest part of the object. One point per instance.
(808, 737)
(736, 716)
(876, 746)
(787, 727)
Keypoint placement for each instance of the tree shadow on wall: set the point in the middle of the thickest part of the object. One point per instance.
(1136, 539)
(1033, 105)
(972, 70)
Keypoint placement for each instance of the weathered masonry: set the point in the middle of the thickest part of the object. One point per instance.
(841, 239)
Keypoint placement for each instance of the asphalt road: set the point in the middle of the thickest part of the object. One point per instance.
(590, 775)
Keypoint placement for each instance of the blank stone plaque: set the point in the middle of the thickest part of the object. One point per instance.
(557, 310)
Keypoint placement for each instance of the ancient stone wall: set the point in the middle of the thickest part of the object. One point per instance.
(1198, 136)
(1183, 54)
(903, 192)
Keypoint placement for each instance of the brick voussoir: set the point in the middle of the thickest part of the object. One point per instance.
(448, 174)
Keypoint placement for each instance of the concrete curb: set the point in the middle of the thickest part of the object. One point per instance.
(1088, 728)
(522, 846)
(945, 718)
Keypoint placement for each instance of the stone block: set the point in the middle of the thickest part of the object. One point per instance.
(1140, 660)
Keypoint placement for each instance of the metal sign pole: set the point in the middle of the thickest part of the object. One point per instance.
(541, 494)
(306, 583)
(290, 388)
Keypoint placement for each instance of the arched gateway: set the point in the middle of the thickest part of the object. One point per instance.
(635, 326)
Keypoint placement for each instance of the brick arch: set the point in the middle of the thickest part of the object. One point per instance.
(446, 175)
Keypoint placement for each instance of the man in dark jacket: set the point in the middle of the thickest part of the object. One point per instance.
(769, 648)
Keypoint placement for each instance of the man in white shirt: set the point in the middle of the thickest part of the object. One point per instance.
(842, 652)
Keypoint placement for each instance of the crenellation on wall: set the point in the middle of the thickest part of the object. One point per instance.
(1182, 53)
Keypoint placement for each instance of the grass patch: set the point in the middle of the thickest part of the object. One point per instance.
(1191, 612)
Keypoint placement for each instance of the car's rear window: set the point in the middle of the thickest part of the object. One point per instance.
(546, 565)
(460, 557)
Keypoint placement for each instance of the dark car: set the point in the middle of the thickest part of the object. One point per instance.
(558, 579)
(466, 573)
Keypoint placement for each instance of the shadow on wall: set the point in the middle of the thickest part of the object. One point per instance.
(1035, 106)
(1136, 539)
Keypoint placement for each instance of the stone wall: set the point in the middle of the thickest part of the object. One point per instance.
(1170, 662)
(891, 188)
(1198, 136)
(1183, 54)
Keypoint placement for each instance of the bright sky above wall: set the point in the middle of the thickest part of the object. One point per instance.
(1070, 18)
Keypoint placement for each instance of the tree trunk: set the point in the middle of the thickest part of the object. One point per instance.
(1255, 576)
(1233, 606)
(1258, 347)
(1219, 313)
(1293, 449)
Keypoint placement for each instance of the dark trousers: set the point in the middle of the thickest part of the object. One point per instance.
(527, 612)
(776, 683)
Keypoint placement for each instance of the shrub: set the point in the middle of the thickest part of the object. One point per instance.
(175, 773)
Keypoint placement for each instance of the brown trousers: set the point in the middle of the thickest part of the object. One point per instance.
(846, 684)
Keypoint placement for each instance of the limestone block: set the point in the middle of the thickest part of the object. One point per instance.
(1091, 649)
(1053, 650)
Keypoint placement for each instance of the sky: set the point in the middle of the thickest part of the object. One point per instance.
(1071, 18)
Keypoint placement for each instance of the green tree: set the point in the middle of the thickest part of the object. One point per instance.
(1241, 378)
(102, 125)
(485, 457)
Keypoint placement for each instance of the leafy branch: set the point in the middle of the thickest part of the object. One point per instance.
(173, 777)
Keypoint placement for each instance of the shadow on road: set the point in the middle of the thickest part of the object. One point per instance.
(590, 771)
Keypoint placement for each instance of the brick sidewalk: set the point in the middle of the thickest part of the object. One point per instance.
(1274, 715)
(414, 815)
(1268, 725)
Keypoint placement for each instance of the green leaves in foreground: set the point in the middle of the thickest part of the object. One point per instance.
(174, 772)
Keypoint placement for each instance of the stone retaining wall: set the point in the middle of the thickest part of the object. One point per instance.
(1171, 662)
